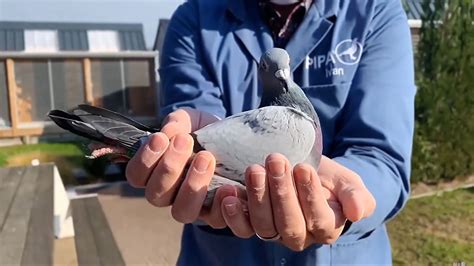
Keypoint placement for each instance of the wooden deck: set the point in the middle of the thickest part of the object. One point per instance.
(95, 244)
(26, 215)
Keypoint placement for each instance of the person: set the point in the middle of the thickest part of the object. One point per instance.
(353, 59)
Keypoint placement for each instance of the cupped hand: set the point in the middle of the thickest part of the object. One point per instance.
(160, 164)
(300, 205)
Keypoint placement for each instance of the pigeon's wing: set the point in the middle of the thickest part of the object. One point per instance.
(249, 137)
(114, 132)
(94, 110)
(74, 124)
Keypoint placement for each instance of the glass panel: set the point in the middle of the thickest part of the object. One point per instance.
(141, 97)
(32, 90)
(41, 41)
(103, 40)
(108, 84)
(4, 106)
(68, 84)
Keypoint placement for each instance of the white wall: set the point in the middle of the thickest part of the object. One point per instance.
(146, 12)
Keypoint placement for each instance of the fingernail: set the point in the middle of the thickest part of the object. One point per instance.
(276, 168)
(257, 179)
(304, 176)
(180, 143)
(156, 144)
(201, 164)
(231, 209)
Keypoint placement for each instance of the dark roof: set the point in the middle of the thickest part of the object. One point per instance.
(71, 36)
(160, 35)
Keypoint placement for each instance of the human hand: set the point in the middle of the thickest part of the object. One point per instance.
(160, 163)
(299, 204)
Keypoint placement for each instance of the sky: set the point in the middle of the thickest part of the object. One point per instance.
(146, 12)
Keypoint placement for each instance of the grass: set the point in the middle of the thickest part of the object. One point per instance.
(67, 156)
(436, 230)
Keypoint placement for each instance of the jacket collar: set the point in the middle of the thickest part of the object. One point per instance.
(256, 37)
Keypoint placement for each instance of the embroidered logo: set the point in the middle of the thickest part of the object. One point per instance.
(348, 52)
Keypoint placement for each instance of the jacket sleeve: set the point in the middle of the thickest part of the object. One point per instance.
(186, 79)
(376, 126)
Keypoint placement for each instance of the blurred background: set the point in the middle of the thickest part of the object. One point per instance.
(57, 54)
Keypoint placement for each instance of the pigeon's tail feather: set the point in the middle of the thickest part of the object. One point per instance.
(94, 110)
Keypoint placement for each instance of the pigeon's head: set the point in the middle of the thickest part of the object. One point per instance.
(274, 70)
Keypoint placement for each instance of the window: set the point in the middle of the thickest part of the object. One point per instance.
(68, 83)
(124, 86)
(44, 85)
(103, 41)
(108, 85)
(4, 106)
(141, 97)
(32, 90)
(41, 41)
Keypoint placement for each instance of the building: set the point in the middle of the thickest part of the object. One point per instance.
(59, 65)
(414, 10)
(46, 66)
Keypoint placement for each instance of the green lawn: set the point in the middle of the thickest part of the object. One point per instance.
(67, 156)
(435, 230)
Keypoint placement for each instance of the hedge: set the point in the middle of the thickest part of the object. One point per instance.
(444, 133)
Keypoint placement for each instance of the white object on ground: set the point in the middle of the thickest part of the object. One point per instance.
(63, 224)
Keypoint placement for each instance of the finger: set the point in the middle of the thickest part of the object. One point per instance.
(235, 217)
(199, 119)
(321, 220)
(165, 178)
(119, 159)
(287, 214)
(357, 202)
(258, 196)
(177, 122)
(193, 190)
(141, 165)
(213, 216)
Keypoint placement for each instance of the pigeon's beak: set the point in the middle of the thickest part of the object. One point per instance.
(284, 76)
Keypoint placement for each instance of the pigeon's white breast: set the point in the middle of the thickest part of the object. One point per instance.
(249, 137)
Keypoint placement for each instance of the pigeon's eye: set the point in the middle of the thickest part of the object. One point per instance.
(264, 65)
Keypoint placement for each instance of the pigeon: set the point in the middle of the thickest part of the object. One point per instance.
(285, 122)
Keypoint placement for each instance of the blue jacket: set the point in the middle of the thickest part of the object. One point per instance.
(354, 60)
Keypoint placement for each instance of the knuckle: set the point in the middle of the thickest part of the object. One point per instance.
(193, 185)
(169, 168)
(155, 198)
(182, 216)
(331, 240)
(295, 244)
(319, 226)
(132, 179)
(324, 236)
(281, 191)
(294, 238)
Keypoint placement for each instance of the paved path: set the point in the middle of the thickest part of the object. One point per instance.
(144, 234)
